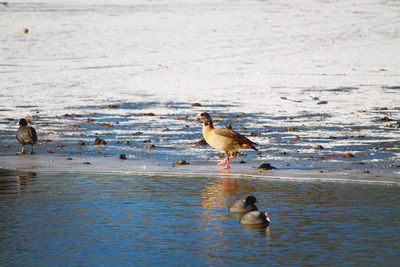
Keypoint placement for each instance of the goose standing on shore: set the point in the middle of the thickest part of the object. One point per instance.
(26, 135)
(223, 139)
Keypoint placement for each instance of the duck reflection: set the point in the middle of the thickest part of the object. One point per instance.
(10, 185)
(261, 230)
(23, 178)
(218, 192)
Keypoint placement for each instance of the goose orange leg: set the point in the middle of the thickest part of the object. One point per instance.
(226, 160)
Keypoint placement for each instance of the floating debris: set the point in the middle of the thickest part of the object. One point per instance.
(255, 134)
(201, 142)
(86, 162)
(71, 115)
(347, 156)
(90, 120)
(69, 158)
(138, 133)
(266, 166)
(50, 151)
(290, 129)
(180, 163)
(81, 143)
(106, 125)
(25, 30)
(196, 105)
(112, 106)
(182, 118)
(122, 156)
(143, 114)
(150, 146)
(319, 147)
(61, 146)
(99, 142)
(385, 119)
(229, 126)
(322, 102)
(7, 146)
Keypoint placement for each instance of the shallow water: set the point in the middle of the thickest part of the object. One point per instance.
(115, 219)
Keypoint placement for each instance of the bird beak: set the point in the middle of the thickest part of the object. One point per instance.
(197, 119)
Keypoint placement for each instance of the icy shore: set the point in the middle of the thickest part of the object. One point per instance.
(315, 83)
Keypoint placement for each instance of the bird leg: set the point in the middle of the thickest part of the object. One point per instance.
(22, 151)
(226, 160)
(32, 149)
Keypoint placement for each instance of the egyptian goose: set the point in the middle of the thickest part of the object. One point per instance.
(255, 217)
(223, 139)
(242, 205)
(26, 135)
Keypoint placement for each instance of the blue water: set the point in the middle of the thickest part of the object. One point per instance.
(63, 219)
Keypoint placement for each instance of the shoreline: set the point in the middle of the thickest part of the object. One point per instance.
(108, 165)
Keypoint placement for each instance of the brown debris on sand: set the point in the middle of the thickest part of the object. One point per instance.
(99, 142)
(266, 166)
(181, 162)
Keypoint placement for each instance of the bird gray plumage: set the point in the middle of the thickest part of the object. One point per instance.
(242, 205)
(255, 217)
(26, 135)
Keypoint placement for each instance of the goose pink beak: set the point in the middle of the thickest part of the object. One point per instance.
(197, 119)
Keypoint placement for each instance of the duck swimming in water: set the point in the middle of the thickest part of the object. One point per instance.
(246, 205)
(255, 217)
(26, 135)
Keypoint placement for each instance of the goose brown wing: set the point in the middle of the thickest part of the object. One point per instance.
(241, 139)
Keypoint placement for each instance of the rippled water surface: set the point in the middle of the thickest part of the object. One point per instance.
(115, 219)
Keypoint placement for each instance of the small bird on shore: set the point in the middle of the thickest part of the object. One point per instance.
(255, 217)
(223, 139)
(244, 205)
(26, 135)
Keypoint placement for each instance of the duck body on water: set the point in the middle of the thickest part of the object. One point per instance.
(255, 217)
(223, 139)
(244, 205)
(26, 135)
(250, 212)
